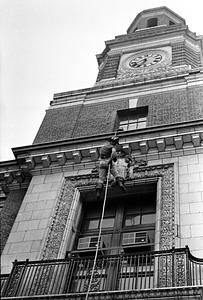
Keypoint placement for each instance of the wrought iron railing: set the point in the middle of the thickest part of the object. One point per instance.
(158, 269)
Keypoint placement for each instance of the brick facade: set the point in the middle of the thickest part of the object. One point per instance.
(184, 55)
(86, 120)
(58, 124)
(93, 119)
(98, 118)
(109, 70)
(173, 107)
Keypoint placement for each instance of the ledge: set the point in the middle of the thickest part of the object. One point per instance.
(150, 144)
(179, 293)
(177, 128)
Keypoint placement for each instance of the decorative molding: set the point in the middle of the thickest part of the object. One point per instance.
(61, 214)
(30, 162)
(61, 159)
(64, 201)
(94, 154)
(158, 74)
(193, 293)
(45, 161)
(149, 144)
(77, 156)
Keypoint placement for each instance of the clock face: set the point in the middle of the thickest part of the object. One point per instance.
(145, 60)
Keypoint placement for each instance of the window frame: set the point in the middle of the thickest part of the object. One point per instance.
(112, 236)
(132, 116)
(152, 21)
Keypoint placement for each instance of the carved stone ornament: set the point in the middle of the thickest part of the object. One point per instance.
(70, 184)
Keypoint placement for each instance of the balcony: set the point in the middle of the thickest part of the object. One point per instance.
(126, 275)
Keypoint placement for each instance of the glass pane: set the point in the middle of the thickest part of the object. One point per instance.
(133, 117)
(132, 126)
(124, 127)
(123, 122)
(149, 218)
(108, 222)
(142, 119)
(133, 207)
(91, 224)
(148, 207)
(92, 211)
(141, 125)
(132, 220)
(110, 211)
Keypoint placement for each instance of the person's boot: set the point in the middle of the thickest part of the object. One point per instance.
(121, 185)
(99, 188)
(98, 194)
(113, 183)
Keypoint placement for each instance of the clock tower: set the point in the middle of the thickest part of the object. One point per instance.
(158, 45)
(144, 241)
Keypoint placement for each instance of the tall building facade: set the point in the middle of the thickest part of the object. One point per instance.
(149, 90)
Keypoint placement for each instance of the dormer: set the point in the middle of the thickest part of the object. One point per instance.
(160, 16)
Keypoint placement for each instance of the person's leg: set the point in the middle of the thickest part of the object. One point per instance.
(102, 178)
(118, 172)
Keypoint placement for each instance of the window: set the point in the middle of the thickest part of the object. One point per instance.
(130, 213)
(131, 119)
(152, 22)
(92, 217)
(171, 23)
(128, 229)
(140, 214)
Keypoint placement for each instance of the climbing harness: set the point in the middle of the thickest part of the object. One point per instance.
(99, 236)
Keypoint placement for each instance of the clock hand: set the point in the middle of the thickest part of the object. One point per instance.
(143, 60)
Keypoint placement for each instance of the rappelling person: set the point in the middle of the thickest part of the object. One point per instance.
(108, 157)
(122, 163)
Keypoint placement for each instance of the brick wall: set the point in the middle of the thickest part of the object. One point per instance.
(163, 108)
(9, 213)
(93, 119)
(58, 124)
(172, 107)
(183, 55)
(98, 118)
(195, 102)
(109, 70)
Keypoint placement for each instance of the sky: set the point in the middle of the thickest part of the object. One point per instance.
(50, 46)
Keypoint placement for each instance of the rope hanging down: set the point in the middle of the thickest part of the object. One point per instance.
(99, 236)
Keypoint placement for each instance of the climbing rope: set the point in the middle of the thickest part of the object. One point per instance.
(99, 236)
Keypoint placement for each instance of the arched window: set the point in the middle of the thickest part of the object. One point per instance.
(152, 22)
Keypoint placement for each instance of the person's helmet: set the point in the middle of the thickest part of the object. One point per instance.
(114, 139)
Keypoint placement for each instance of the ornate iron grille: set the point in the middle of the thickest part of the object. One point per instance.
(157, 269)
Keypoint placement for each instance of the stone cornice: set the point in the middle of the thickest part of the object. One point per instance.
(13, 176)
(150, 143)
(147, 34)
(172, 77)
(87, 142)
(163, 74)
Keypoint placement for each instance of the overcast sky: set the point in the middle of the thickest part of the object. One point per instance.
(49, 46)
